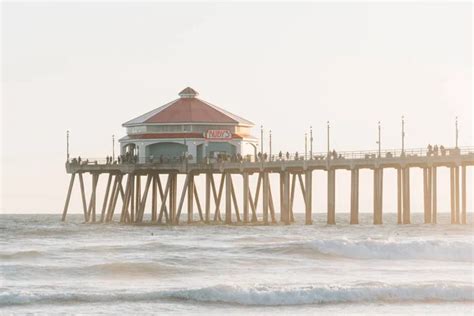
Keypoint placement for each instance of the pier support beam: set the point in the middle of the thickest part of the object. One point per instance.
(245, 194)
(173, 197)
(406, 195)
(427, 192)
(463, 196)
(106, 198)
(458, 205)
(378, 189)
(331, 216)
(207, 202)
(228, 198)
(454, 186)
(154, 199)
(68, 197)
(399, 196)
(308, 180)
(83, 196)
(434, 190)
(190, 190)
(354, 196)
(285, 198)
(265, 197)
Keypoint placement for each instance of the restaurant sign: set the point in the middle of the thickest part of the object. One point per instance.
(218, 134)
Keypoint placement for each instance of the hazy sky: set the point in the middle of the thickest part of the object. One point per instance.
(90, 67)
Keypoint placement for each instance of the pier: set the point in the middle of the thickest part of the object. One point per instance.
(151, 187)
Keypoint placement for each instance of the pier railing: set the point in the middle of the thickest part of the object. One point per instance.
(334, 155)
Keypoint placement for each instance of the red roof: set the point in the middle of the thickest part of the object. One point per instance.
(188, 109)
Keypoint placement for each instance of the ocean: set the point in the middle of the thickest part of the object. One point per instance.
(50, 267)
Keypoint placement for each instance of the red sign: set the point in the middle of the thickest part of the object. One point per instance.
(220, 134)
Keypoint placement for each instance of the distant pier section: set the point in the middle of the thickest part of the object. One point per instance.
(193, 138)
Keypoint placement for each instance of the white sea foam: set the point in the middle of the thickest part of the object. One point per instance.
(397, 249)
(265, 295)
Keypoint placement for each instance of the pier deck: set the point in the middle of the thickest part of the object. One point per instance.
(124, 181)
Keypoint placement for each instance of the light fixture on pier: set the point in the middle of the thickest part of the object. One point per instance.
(113, 147)
(261, 139)
(270, 145)
(67, 145)
(328, 138)
(403, 135)
(457, 132)
(311, 142)
(379, 140)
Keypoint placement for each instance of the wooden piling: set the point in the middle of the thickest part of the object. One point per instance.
(246, 193)
(452, 177)
(331, 216)
(463, 197)
(190, 198)
(458, 205)
(228, 202)
(285, 207)
(68, 197)
(399, 196)
(354, 196)
(265, 198)
(406, 195)
(434, 190)
(309, 196)
(207, 216)
(83, 196)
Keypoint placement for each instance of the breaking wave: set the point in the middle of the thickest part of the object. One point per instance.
(266, 296)
(399, 250)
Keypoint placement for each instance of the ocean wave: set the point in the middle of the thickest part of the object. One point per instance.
(265, 295)
(29, 254)
(398, 250)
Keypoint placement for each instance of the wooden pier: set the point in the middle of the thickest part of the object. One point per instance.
(159, 194)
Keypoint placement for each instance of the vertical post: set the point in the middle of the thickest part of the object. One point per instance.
(311, 142)
(355, 196)
(285, 210)
(376, 196)
(305, 146)
(434, 181)
(113, 148)
(261, 140)
(463, 197)
(83, 195)
(106, 197)
(67, 145)
(379, 142)
(207, 216)
(228, 198)
(457, 132)
(429, 186)
(68, 196)
(425, 194)
(403, 136)
(190, 198)
(458, 205)
(270, 146)
(331, 217)
(265, 197)
(246, 197)
(309, 195)
(406, 195)
(452, 189)
(154, 205)
(399, 196)
(378, 188)
(173, 196)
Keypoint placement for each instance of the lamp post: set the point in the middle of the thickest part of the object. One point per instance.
(311, 142)
(270, 145)
(305, 145)
(328, 138)
(379, 140)
(261, 139)
(67, 145)
(403, 135)
(457, 132)
(113, 147)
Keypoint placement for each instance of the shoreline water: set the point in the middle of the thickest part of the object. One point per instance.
(48, 266)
